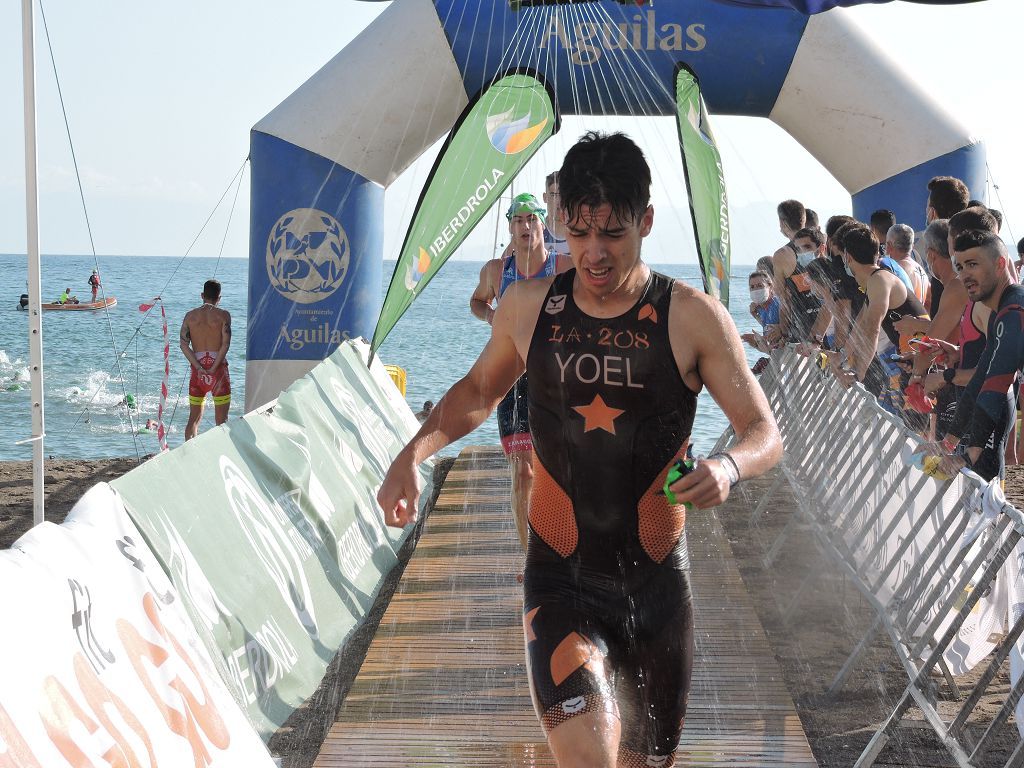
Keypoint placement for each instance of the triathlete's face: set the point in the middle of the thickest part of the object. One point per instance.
(760, 282)
(527, 230)
(978, 271)
(553, 201)
(805, 244)
(606, 250)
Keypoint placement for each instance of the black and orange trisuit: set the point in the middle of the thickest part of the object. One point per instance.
(608, 616)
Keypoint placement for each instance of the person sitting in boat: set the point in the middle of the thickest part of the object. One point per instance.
(67, 298)
(94, 283)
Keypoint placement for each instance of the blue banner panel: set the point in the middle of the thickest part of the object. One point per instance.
(613, 58)
(906, 194)
(315, 253)
(818, 6)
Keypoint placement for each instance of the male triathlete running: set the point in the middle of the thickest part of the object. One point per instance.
(528, 257)
(616, 355)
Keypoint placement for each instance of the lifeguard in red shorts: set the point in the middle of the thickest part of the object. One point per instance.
(204, 340)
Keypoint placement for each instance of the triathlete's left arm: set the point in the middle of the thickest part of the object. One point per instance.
(1007, 357)
(873, 313)
(225, 343)
(717, 355)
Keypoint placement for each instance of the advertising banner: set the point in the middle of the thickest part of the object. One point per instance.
(493, 139)
(270, 529)
(705, 184)
(99, 665)
(315, 251)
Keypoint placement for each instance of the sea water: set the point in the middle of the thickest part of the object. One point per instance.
(92, 360)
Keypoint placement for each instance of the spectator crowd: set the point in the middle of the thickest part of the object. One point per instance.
(930, 323)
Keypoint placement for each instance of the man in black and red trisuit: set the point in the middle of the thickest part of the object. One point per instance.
(987, 407)
(616, 355)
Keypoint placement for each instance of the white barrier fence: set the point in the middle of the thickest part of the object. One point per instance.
(938, 560)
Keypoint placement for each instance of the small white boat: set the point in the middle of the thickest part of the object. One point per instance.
(82, 306)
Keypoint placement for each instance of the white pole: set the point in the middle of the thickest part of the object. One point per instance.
(35, 324)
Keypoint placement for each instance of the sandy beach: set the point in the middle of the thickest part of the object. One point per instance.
(810, 648)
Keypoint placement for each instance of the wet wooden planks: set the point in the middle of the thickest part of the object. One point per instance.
(444, 681)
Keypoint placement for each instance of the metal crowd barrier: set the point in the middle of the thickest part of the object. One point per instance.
(924, 553)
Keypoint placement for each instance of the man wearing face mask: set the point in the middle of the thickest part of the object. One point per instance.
(765, 309)
(800, 307)
(810, 245)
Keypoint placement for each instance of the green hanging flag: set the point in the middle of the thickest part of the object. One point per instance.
(705, 183)
(494, 138)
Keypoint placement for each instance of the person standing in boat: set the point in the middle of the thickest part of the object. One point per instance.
(616, 355)
(528, 257)
(94, 284)
(204, 340)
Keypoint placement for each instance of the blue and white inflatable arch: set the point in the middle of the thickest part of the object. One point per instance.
(323, 158)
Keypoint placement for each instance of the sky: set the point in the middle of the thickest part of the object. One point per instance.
(160, 99)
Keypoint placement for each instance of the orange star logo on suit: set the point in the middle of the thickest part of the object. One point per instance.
(598, 415)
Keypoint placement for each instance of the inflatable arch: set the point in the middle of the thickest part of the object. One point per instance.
(322, 159)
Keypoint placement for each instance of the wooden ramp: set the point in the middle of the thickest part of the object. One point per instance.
(444, 681)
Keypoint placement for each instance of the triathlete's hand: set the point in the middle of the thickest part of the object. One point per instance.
(807, 349)
(705, 487)
(933, 382)
(845, 377)
(951, 464)
(906, 325)
(400, 492)
(950, 353)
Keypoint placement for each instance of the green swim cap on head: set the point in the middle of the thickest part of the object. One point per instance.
(524, 202)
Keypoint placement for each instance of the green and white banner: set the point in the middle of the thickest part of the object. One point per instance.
(705, 183)
(270, 529)
(490, 143)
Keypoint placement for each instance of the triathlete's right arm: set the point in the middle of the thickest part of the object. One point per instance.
(485, 292)
(466, 405)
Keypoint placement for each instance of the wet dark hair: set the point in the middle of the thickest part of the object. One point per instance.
(816, 236)
(882, 220)
(211, 289)
(947, 195)
(862, 245)
(793, 213)
(839, 236)
(810, 219)
(835, 222)
(766, 265)
(973, 218)
(605, 168)
(1020, 246)
(992, 244)
(998, 216)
